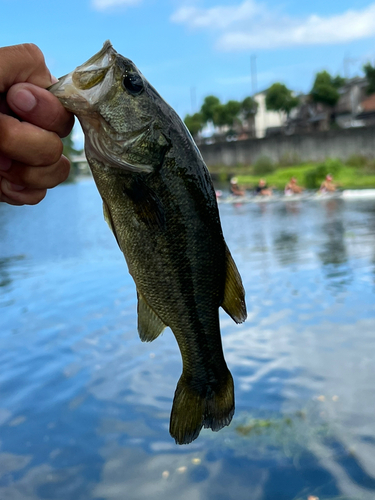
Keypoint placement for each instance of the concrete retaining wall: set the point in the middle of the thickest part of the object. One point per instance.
(315, 147)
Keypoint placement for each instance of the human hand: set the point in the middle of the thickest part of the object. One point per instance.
(32, 120)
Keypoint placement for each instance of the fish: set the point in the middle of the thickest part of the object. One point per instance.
(159, 202)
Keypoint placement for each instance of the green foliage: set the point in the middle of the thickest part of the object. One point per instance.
(194, 123)
(220, 115)
(357, 161)
(249, 107)
(370, 75)
(333, 166)
(225, 114)
(70, 151)
(68, 147)
(315, 176)
(280, 98)
(212, 110)
(311, 179)
(208, 108)
(311, 175)
(321, 171)
(325, 88)
(338, 81)
(263, 165)
(233, 108)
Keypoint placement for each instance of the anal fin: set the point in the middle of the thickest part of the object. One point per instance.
(234, 293)
(150, 325)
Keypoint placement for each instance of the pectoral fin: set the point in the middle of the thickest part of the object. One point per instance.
(150, 325)
(234, 293)
(146, 203)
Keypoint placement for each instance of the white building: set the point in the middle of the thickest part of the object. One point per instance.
(265, 119)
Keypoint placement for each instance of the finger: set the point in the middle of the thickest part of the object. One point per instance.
(40, 107)
(28, 144)
(10, 194)
(38, 177)
(23, 63)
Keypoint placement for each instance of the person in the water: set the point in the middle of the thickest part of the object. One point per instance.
(32, 121)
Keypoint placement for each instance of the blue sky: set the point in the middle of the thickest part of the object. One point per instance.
(192, 48)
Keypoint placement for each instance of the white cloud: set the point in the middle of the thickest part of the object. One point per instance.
(107, 4)
(216, 17)
(250, 25)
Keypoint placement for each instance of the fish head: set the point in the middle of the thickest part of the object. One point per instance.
(120, 112)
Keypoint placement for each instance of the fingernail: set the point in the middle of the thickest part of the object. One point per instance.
(54, 79)
(16, 187)
(5, 163)
(24, 100)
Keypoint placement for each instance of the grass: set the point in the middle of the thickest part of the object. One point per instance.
(346, 176)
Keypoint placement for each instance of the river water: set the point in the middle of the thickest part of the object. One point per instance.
(84, 405)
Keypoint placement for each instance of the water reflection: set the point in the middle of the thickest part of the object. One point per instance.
(333, 254)
(84, 405)
(286, 247)
(334, 248)
(4, 274)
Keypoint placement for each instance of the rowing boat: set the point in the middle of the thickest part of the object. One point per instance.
(347, 194)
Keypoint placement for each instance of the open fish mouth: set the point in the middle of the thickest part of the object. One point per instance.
(83, 84)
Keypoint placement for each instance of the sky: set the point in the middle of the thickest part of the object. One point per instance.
(193, 48)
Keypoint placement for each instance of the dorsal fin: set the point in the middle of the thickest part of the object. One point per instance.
(150, 325)
(234, 293)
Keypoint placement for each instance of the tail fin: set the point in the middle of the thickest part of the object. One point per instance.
(192, 409)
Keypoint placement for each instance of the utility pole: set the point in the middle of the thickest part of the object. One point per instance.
(253, 65)
(347, 62)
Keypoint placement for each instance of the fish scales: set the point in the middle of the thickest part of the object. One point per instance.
(159, 201)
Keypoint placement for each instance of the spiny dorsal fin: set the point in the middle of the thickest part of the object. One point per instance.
(109, 221)
(234, 293)
(150, 325)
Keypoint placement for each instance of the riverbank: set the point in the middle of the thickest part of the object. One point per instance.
(358, 174)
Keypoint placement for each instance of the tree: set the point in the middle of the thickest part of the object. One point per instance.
(68, 147)
(220, 116)
(280, 98)
(338, 81)
(70, 151)
(194, 123)
(370, 75)
(248, 107)
(212, 110)
(325, 88)
(208, 108)
(225, 114)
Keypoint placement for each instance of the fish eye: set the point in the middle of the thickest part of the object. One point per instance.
(133, 83)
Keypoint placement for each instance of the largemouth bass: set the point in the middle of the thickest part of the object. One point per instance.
(159, 202)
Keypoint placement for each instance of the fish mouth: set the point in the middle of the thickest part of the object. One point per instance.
(82, 85)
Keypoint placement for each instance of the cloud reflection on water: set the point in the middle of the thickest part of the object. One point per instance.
(96, 401)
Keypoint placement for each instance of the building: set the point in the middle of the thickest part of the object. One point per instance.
(265, 119)
(366, 113)
(348, 107)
